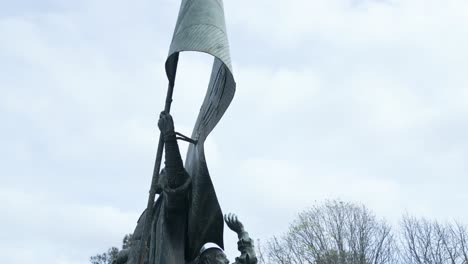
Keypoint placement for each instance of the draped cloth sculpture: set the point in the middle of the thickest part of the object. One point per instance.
(185, 224)
(201, 27)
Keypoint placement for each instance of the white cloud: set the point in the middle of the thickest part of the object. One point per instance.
(292, 186)
(277, 90)
(360, 100)
(348, 23)
(387, 104)
(41, 226)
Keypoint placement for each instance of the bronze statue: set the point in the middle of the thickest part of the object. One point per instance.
(168, 239)
(245, 244)
(185, 224)
(213, 254)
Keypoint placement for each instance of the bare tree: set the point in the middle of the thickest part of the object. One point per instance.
(424, 241)
(334, 232)
(462, 239)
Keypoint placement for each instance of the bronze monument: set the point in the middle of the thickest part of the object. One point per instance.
(185, 224)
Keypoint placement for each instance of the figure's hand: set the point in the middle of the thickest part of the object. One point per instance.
(165, 123)
(233, 223)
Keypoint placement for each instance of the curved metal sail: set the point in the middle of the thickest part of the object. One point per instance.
(201, 27)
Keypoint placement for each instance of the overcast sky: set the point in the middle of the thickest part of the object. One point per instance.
(361, 100)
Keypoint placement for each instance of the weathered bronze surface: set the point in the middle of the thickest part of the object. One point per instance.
(169, 241)
(187, 217)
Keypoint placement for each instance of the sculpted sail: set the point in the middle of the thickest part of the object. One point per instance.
(185, 224)
(186, 217)
(201, 27)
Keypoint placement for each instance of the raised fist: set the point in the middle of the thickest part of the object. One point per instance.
(233, 223)
(165, 123)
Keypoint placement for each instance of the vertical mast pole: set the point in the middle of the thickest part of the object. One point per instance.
(144, 242)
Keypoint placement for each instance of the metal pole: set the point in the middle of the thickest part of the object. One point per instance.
(154, 181)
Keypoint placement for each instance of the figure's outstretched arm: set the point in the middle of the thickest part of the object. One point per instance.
(245, 244)
(174, 167)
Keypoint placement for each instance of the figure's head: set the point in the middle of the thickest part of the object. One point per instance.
(212, 254)
(161, 181)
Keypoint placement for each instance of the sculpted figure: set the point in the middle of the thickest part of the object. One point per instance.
(213, 254)
(168, 234)
(245, 244)
(167, 238)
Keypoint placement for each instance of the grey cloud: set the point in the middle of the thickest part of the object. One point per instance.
(364, 103)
